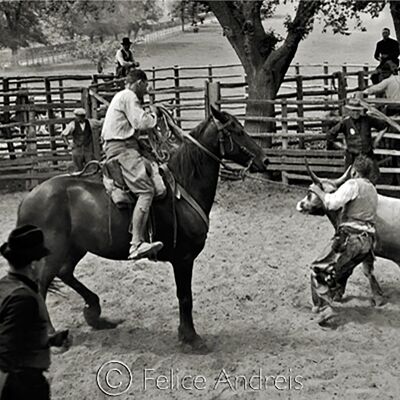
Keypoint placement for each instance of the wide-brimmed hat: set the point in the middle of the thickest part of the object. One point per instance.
(126, 41)
(80, 111)
(354, 105)
(24, 245)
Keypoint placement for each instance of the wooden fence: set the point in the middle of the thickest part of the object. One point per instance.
(31, 148)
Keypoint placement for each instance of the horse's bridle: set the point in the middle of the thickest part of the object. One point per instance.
(222, 133)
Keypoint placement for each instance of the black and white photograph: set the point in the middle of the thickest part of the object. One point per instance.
(199, 200)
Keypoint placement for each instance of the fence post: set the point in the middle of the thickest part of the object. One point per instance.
(6, 115)
(85, 100)
(50, 115)
(342, 92)
(61, 88)
(366, 74)
(153, 95)
(32, 151)
(326, 81)
(361, 80)
(344, 70)
(300, 108)
(210, 73)
(95, 132)
(284, 114)
(212, 96)
(177, 95)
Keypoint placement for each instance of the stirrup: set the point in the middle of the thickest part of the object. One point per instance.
(144, 250)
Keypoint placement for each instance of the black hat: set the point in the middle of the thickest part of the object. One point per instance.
(126, 41)
(24, 245)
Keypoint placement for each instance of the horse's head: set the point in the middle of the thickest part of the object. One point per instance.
(235, 144)
(312, 204)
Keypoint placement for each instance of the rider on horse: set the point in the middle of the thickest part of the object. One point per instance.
(125, 118)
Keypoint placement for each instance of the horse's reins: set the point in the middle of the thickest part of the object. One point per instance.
(222, 132)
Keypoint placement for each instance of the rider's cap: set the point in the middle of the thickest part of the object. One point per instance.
(79, 111)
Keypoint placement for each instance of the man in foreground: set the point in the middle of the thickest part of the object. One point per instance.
(124, 120)
(24, 322)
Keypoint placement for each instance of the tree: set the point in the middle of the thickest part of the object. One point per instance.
(188, 10)
(20, 24)
(265, 63)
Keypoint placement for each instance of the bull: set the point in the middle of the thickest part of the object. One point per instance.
(387, 230)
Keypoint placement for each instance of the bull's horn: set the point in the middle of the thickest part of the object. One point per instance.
(339, 181)
(314, 177)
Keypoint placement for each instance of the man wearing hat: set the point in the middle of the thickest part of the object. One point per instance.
(356, 128)
(124, 59)
(81, 130)
(24, 320)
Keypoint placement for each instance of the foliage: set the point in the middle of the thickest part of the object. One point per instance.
(20, 24)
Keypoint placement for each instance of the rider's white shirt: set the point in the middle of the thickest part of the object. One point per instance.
(125, 116)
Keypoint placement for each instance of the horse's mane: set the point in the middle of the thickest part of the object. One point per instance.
(187, 162)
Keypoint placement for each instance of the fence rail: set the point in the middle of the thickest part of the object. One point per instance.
(32, 149)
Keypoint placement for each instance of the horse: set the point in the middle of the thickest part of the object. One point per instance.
(78, 217)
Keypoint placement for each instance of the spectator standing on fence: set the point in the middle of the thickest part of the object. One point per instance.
(24, 322)
(81, 130)
(387, 53)
(124, 59)
(356, 128)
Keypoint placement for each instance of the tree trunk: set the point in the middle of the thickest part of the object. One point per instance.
(262, 86)
(395, 12)
(183, 16)
(14, 56)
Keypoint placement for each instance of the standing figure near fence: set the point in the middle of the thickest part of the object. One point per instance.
(124, 120)
(356, 128)
(81, 130)
(124, 59)
(387, 52)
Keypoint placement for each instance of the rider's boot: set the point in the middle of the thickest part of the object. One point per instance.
(139, 248)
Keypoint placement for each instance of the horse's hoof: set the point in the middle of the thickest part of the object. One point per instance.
(104, 323)
(195, 346)
(92, 315)
(378, 301)
(327, 318)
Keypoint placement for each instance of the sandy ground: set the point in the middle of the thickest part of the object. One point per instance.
(251, 305)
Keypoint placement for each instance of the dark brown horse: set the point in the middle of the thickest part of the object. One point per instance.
(77, 217)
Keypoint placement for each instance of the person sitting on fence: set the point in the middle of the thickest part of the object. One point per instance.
(387, 52)
(81, 130)
(124, 59)
(356, 128)
(390, 87)
(354, 239)
(124, 120)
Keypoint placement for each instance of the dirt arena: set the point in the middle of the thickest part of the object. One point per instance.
(251, 305)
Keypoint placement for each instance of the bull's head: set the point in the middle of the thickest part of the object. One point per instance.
(311, 204)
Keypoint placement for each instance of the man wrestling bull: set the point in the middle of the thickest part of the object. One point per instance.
(353, 243)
